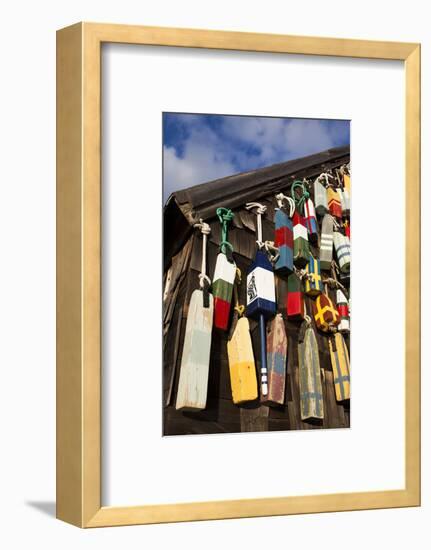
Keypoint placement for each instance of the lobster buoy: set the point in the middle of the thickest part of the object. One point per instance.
(345, 201)
(326, 316)
(334, 202)
(346, 226)
(342, 249)
(340, 366)
(310, 220)
(242, 368)
(310, 382)
(260, 287)
(343, 310)
(320, 197)
(224, 274)
(326, 242)
(283, 239)
(195, 359)
(313, 281)
(261, 303)
(295, 300)
(301, 247)
(276, 357)
(346, 181)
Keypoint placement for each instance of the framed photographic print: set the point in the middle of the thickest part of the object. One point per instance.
(238, 275)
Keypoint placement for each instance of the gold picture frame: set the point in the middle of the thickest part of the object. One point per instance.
(79, 274)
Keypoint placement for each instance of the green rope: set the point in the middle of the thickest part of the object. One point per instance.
(299, 201)
(225, 216)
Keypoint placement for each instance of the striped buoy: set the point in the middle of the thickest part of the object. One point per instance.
(260, 288)
(284, 236)
(343, 193)
(340, 366)
(295, 300)
(310, 382)
(276, 357)
(224, 274)
(193, 381)
(343, 310)
(310, 220)
(342, 249)
(320, 197)
(334, 202)
(325, 315)
(313, 280)
(261, 303)
(326, 242)
(301, 247)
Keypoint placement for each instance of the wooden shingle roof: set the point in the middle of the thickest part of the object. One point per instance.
(201, 201)
(187, 206)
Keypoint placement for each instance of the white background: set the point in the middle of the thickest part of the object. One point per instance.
(27, 217)
(138, 463)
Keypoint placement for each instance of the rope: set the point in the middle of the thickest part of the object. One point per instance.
(260, 209)
(272, 251)
(280, 197)
(334, 283)
(300, 273)
(239, 309)
(225, 216)
(336, 225)
(325, 175)
(299, 201)
(205, 230)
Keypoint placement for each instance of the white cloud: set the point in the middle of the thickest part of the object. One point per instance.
(205, 158)
(240, 144)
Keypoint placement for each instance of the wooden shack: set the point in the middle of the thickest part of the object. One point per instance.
(182, 262)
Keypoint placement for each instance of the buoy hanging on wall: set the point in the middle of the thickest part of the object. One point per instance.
(340, 366)
(325, 314)
(224, 274)
(283, 239)
(310, 382)
(261, 293)
(295, 300)
(320, 197)
(276, 357)
(343, 310)
(346, 226)
(242, 368)
(326, 242)
(313, 281)
(342, 249)
(301, 248)
(334, 202)
(311, 221)
(195, 359)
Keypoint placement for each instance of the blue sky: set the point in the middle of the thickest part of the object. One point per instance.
(200, 148)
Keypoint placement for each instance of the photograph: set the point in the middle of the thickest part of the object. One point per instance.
(256, 273)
